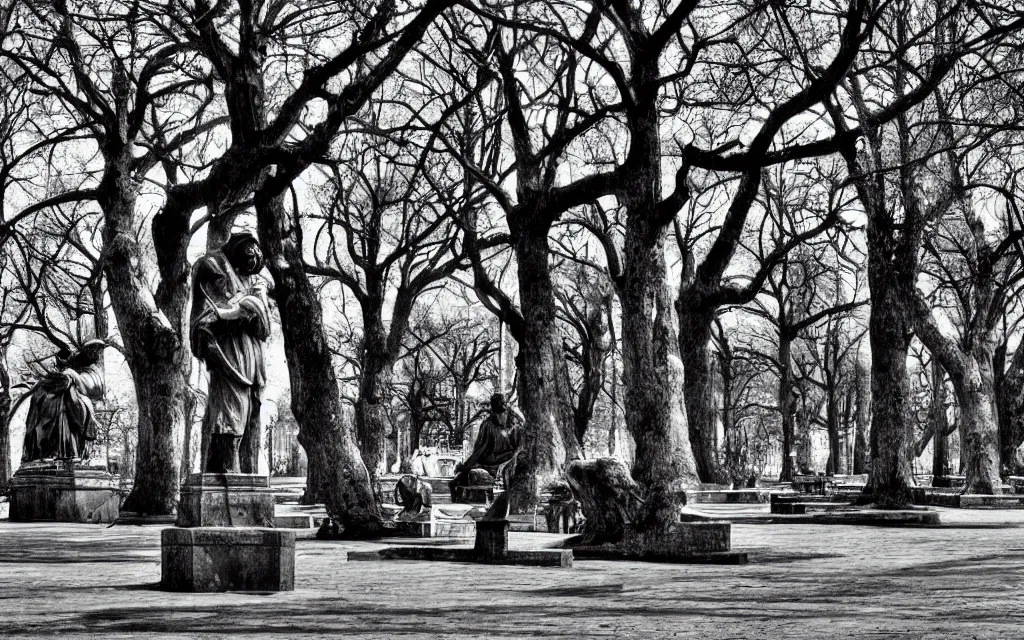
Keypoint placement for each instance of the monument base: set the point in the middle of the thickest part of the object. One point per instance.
(64, 491)
(226, 500)
(491, 539)
(687, 542)
(212, 559)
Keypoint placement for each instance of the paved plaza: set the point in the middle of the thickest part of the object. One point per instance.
(964, 579)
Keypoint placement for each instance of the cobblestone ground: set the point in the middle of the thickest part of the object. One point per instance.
(962, 580)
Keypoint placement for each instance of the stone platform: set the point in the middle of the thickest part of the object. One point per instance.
(491, 547)
(727, 496)
(226, 500)
(562, 558)
(212, 559)
(952, 498)
(688, 542)
(59, 491)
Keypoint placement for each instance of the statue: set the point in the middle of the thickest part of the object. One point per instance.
(61, 420)
(230, 321)
(494, 452)
(414, 495)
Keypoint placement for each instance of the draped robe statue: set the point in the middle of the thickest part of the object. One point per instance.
(230, 320)
(61, 420)
(494, 454)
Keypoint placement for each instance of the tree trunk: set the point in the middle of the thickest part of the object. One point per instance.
(338, 475)
(153, 330)
(976, 397)
(655, 410)
(6, 468)
(1010, 396)
(694, 338)
(862, 419)
(832, 467)
(937, 416)
(376, 370)
(892, 438)
(608, 496)
(548, 439)
(785, 401)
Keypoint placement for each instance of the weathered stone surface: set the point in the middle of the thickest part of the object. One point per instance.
(55, 492)
(611, 552)
(211, 559)
(728, 496)
(226, 500)
(491, 539)
(699, 542)
(562, 558)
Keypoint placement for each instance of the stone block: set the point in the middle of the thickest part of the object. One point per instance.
(562, 558)
(697, 542)
(226, 500)
(212, 559)
(59, 492)
(491, 539)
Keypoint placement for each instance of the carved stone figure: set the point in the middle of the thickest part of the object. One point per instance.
(414, 495)
(230, 321)
(495, 449)
(61, 420)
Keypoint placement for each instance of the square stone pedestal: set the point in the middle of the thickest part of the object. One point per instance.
(64, 491)
(226, 500)
(211, 559)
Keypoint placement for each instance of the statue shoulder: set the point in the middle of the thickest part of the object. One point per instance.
(212, 264)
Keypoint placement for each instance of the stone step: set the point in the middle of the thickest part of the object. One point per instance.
(1005, 501)
(294, 521)
(808, 507)
(718, 496)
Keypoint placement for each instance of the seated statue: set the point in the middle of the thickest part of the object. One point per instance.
(414, 495)
(61, 421)
(495, 449)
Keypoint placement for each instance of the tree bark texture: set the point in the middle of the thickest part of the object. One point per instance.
(786, 400)
(153, 328)
(655, 409)
(701, 415)
(892, 437)
(375, 375)
(548, 439)
(609, 498)
(940, 422)
(1010, 397)
(862, 418)
(6, 468)
(340, 478)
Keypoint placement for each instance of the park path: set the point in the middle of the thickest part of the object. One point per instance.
(804, 581)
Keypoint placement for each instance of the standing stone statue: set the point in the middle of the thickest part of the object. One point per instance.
(61, 420)
(230, 322)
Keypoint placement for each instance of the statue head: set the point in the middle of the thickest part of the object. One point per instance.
(243, 252)
(498, 404)
(89, 354)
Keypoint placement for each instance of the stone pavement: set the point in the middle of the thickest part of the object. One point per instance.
(804, 581)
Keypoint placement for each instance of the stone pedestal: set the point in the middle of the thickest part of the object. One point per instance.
(220, 543)
(491, 539)
(64, 491)
(210, 559)
(226, 500)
